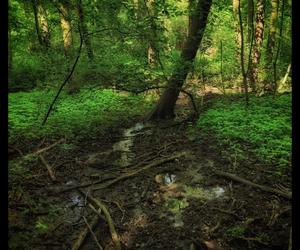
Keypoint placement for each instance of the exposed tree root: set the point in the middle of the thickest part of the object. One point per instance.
(287, 195)
(84, 233)
(114, 234)
(92, 233)
(49, 168)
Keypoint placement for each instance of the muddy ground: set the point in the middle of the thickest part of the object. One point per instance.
(178, 204)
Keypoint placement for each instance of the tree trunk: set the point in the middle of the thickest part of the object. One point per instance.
(41, 23)
(86, 39)
(36, 19)
(66, 28)
(250, 20)
(244, 72)
(235, 6)
(271, 40)
(152, 37)
(198, 16)
(258, 39)
(9, 50)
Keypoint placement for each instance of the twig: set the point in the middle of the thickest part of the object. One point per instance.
(130, 174)
(287, 195)
(112, 229)
(92, 233)
(123, 176)
(49, 168)
(225, 211)
(18, 150)
(84, 233)
(48, 147)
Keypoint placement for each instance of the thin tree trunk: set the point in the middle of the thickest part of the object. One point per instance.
(66, 28)
(152, 37)
(277, 52)
(9, 52)
(271, 40)
(258, 39)
(244, 73)
(166, 104)
(235, 6)
(37, 26)
(43, 24)
(86, 39)
(283, 81)
(250, 20)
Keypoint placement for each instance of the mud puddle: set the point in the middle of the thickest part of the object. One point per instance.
(125, 144)
(176, 195)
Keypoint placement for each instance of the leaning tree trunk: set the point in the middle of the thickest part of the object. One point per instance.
(66, 28)
(86, 39)
(198, 16)
(258, 39)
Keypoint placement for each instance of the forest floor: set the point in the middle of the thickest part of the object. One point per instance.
(162, 189)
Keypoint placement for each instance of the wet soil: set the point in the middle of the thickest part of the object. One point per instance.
(179, 204)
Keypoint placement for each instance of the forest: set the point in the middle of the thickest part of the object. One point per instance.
(150, 124)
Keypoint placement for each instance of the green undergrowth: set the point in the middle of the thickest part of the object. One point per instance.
(85, 114)
(263, 129)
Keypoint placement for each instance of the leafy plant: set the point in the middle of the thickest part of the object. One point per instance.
(264, 128)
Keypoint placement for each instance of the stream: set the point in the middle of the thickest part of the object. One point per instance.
(175, 192)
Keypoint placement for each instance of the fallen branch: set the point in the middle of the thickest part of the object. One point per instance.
(92, 233)
(130, 174)
(287, 195)
(124, 176)
(49, 168)
(112, 229)
(84, 233)
(48, 147)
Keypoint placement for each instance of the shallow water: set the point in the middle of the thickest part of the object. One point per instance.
(125, 144)
(177, 195)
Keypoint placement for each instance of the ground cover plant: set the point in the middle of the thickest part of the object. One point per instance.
(87, 113)
(264, 126)
(156, 124)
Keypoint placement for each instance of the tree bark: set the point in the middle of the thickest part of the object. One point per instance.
(66, 28)
(86, 39)
(244, 72)
(9, 50)
(152, 37)
(258, 39)
(235, 7)
(250, 19)
(41, 23)
(271, 40)
(198, 17)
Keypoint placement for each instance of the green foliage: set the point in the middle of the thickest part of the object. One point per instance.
(87, 113)
(236, 231)
(265, 127)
